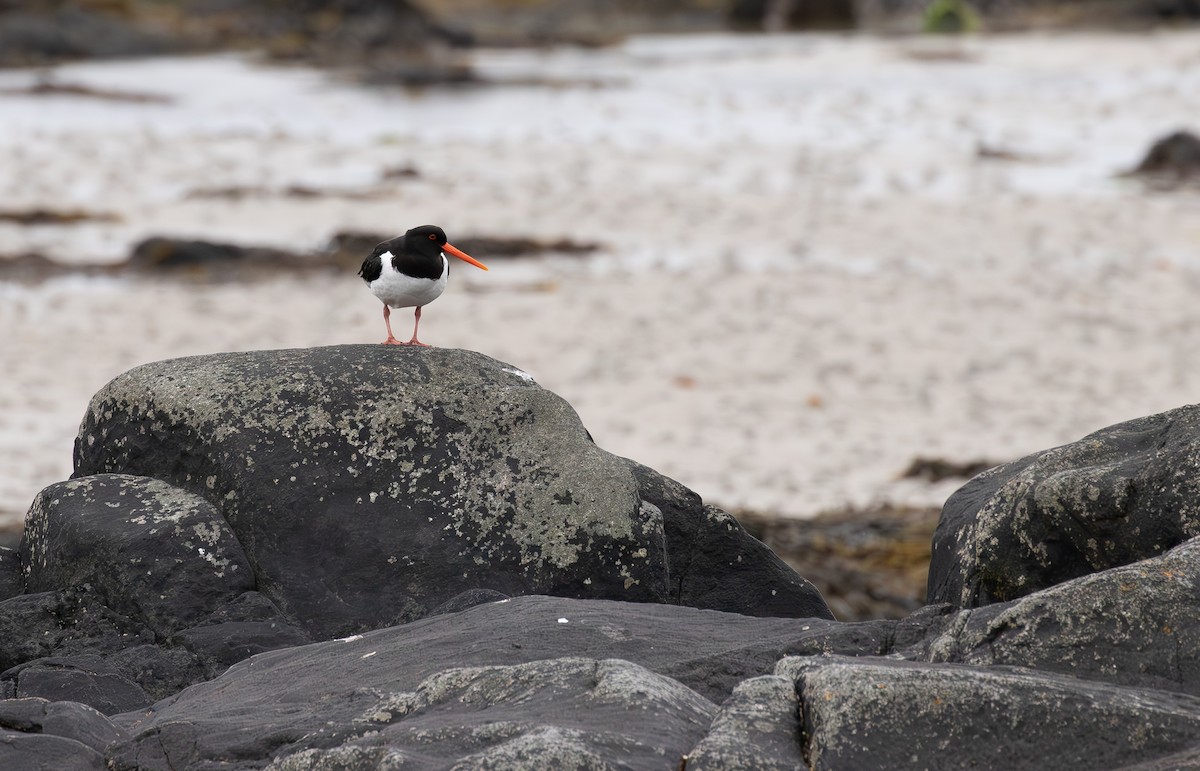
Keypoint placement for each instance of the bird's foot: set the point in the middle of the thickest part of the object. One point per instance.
(409, 344)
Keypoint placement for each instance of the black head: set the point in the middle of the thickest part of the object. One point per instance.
(426, 239)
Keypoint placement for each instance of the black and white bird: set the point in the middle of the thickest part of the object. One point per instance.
(410, 271)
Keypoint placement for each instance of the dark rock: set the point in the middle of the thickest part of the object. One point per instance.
(778, 15)
(557, 713)
(756, 729)
(42, 216)
(150, 551)
(211, 260)
(1112, 498)
(708, 652)
(881, 713)
(714, 563)
(162, 669)
(86, 679)
(12, 576)
(67, 719)
(76, 622)
(1173, 159)
(576, 22)
(1134, 625)
(39, 36)
(45, 752)
(1186, 759)
(34, 268)
(728, 657)
(939, 469)
(61, 624)
(142, 573)
(420, 474)
(230, 642)
(494, 246)
(48, 86)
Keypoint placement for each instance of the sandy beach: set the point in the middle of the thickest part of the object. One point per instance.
(821, 256)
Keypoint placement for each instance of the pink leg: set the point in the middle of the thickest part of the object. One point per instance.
(387, 319)
(416, 323)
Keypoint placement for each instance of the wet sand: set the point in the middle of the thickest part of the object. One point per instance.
(811, 273)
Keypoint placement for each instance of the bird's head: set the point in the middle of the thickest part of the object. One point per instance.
(432, 239)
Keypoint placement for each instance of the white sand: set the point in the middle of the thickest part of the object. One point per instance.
(810, 277)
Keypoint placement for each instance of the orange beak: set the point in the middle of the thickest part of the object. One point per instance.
(460, 254)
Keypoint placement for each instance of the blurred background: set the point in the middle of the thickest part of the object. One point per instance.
(819, 260)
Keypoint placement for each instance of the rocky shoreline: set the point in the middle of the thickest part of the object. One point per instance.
(361, 557)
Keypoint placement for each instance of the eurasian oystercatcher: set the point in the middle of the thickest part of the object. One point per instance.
(411, 271)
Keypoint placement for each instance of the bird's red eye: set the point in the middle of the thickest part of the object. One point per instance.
(433, 236)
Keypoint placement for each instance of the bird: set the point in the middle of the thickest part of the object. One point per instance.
(410, 271)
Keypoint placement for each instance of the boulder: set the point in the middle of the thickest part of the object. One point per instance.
(417, 475)
(756, 729)
(1172, 159)
(881, 713)
(153, 552)
(61, 624)
(86, 679)
(139, 589)
(46, 752)
(729, 660)
(1134, 625)
(556, 713)
(69, 720)
(1117, 496)
(314, 697)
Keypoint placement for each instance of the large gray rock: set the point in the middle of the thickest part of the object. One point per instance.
(728, 659)
(1134, 625)
(882, 713)
(138, 589)
(756, 729)
(34, 626)
(86, 679)
(1122, 494)
(705, 654)
(149, 550)
(46, 752)
(556, 713)
(67, 719)
(417, 475)
(41, 735)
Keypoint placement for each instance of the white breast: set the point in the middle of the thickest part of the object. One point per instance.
(401, 291)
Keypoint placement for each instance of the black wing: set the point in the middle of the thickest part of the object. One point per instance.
(373, 265)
